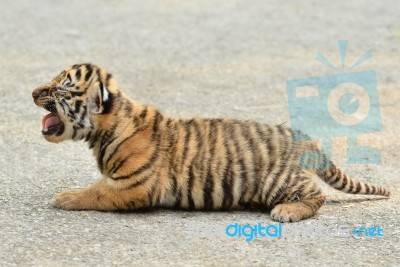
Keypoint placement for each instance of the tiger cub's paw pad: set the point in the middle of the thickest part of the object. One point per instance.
(70, 200)
(285, 213)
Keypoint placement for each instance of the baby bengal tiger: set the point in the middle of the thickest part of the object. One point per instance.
(147, 159)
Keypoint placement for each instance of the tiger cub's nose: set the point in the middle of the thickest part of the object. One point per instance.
(35, 95)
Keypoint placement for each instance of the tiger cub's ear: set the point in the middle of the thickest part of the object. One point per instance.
(100, 100)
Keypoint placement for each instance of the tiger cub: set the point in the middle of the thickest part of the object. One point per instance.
(149, 160)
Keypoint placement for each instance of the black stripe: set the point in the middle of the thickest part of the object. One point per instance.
(118, 163)
(209, 183)
(237, 133)
(227, 186)
(95, 138)
(351, 186)
(317, 192)
(249, 144)
(108, 138)
(187, 132)
(103, 149)
(98, 74)
(178, 200)
(358, 187)
(277, 176)
(71, 114)
(366, 189)
(198, 150)
(143, 114)
(83, 115)
(88, 136)
(272, 154)
(373, 189)
(78, 74)
(171, 131)
(144, 167)
(233, 158)
(128, 109)
(74, 94)
(343, 185)
(264, 173)
(226, 173)
(118, 146)
(190, 186)
(108, 77)
(138, 182)
(282, 166)
(156, 124)
(75, 131)
(281, 192)
(172, 176)
(202, 154)
(69, 77)
(61, 104)
(338, 177)
(89, 71)
(78, 105)
(243, 179)
(151, 194)
(101, 91)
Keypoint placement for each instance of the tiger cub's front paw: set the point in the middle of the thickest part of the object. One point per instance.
(77, 199)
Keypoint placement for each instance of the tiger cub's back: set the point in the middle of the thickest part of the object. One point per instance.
(225, 163)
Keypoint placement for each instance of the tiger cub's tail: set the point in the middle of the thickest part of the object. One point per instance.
(315, 160)
(340, 181)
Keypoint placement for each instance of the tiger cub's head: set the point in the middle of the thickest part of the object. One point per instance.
(78, 99)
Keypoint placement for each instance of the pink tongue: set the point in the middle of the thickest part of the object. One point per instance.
(50, 120)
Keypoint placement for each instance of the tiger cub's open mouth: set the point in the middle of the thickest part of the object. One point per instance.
(52, 125)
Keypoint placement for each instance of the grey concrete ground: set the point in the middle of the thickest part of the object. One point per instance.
(189, 58)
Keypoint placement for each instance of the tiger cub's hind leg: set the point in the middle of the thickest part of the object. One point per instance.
(301, 202)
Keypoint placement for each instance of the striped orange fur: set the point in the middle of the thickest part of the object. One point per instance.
(149, 160)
